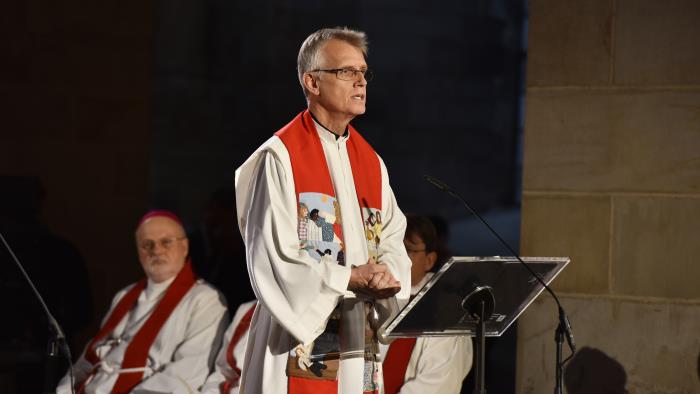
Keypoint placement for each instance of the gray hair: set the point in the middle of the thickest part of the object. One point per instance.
(309, 53)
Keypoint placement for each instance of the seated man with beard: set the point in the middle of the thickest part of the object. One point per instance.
(162, 333)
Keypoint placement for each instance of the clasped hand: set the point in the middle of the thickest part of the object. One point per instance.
(374, 280)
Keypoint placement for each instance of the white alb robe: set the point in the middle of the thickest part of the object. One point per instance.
(296, 293)
(437, 364)
(181, 355)
(223, 370)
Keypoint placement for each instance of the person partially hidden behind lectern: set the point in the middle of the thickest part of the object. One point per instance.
(425, 365)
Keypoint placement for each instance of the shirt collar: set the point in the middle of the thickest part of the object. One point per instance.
(415, 289)
(154, 289)
(328, 135)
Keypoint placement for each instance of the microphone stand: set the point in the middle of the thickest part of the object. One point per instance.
(480, 385)
(559, 340)
(480, 304)
(57, 341)
(563, 330)
(564, 327)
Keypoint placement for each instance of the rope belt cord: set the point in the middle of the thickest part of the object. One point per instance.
(115, 370)
(136, 355)
(103, 366)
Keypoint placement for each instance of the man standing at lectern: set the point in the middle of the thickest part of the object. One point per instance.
(308, 203)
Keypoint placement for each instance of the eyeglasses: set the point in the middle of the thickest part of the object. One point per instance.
(411, 251)
(166, 243)
(348, 74)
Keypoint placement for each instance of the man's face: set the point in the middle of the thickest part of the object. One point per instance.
(422, 261)
(345, 99)
(162, 248)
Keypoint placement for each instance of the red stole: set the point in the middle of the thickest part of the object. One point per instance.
(311, 175)
(241, 328)
(396, 362)
(137, 352)
(310, 169)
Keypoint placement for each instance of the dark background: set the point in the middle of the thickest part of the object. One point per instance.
(445, 99)
(108, 110)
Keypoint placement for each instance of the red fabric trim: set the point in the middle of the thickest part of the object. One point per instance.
(395, 364)
(309, 165)
(311, 386)
(310, 168)
(137, 352)
(123, 307)
(226, 386)
(81, 386)
(241, 328)
(366, 171)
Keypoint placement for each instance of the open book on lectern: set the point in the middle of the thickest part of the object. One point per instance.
(437, 308)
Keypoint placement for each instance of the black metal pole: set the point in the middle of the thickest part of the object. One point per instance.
(480, 385)
(52, 362)
(559, 339)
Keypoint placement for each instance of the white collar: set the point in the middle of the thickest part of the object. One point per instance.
(415, 289)
(330, 136)
(154, 290)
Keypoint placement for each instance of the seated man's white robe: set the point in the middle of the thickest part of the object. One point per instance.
(296, 293)
(182, 354)
(223, 370)
(437, 364)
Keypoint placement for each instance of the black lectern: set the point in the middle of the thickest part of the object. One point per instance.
(475, 296)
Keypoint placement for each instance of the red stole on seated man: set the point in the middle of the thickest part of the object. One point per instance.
(242, 327)
(136, 354)
(320, 227)
(396, 362)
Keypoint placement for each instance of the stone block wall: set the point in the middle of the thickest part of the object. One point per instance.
(612, 179)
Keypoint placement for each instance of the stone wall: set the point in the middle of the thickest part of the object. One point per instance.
(612, 179)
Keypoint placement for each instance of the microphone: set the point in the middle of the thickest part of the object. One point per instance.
(439, 184)
(59, 338)
(564, 323)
